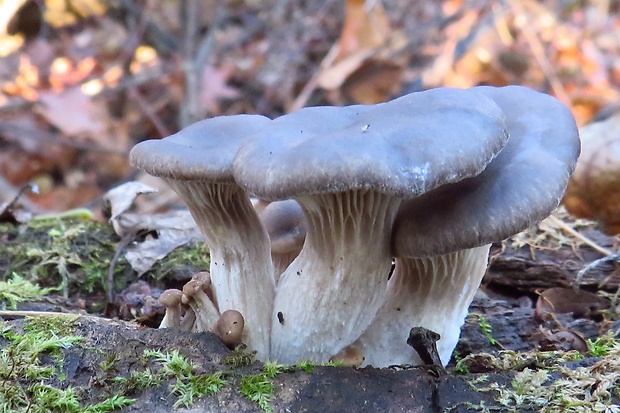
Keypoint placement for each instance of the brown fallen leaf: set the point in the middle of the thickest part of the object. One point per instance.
(71, 111)
(594, 189)
(365, 66)
(563, 340)
(215, 88)
(568, 300)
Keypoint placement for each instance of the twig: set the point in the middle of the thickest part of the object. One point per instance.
(136, 34)
(123, 243)
(567, 228)
(163, 41)
(301, 99)
(592, 265)
(14, 129)
(540, 55)
(190, 110)
(195, 60)
(19, 313)
(149, 112)
(9, 205)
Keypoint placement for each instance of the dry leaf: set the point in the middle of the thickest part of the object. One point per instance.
(563, 340)
(215, 88)
(568, 300)
(365, 27)
(173, 229)
(119, 199)
(373, 81)
(59, 13)
(594, 189)
(72, 112)
(364, 66)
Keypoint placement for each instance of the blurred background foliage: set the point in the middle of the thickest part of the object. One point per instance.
(82, 81)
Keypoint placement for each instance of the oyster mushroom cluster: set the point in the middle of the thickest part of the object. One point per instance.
(429, 180)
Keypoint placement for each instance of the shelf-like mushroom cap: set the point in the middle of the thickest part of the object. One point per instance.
(201, 151)
(521, 186)
(404, 147)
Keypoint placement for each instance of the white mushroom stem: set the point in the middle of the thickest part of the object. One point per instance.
(241, 268)
(188, 320)
(171, 299)
(196, 297)
(281, 261)
(431, 292)
(331, 292)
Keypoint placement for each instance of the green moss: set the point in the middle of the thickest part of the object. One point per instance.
(239, 358)
(76, 254)
(259, 389)
(30, 384)
(69, 252)
(52, 325)
(17, 289)
(183, 261)
(544, 383)
(602, 345)
(188, 384)
(485, 327)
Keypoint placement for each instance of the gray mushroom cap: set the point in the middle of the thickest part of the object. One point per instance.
(404, 147)
(204, 149)
(522, 185)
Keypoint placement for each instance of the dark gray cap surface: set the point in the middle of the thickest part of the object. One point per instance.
(404, 147)
(204, 150)
(522, 185)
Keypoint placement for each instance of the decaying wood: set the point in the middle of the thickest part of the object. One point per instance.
(527, 269)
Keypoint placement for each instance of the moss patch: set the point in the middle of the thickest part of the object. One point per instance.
(31, 370)
(73, 256)
(552, 381)
(68, 252)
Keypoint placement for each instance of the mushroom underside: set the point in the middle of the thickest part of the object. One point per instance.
(332, 290)
(431, 292)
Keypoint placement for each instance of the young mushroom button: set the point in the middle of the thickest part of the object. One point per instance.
(197, 163)
(229, 328)
(441, 239)
(349, 180)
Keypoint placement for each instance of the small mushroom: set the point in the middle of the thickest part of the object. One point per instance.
(441, 239)
(229, 328)
(197, 163)
(285, 224)
(350, 356)
(195, 294)
(188, 320)
(171, 299)
(349, 169)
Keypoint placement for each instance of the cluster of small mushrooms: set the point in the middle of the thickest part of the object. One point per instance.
(428, 181)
